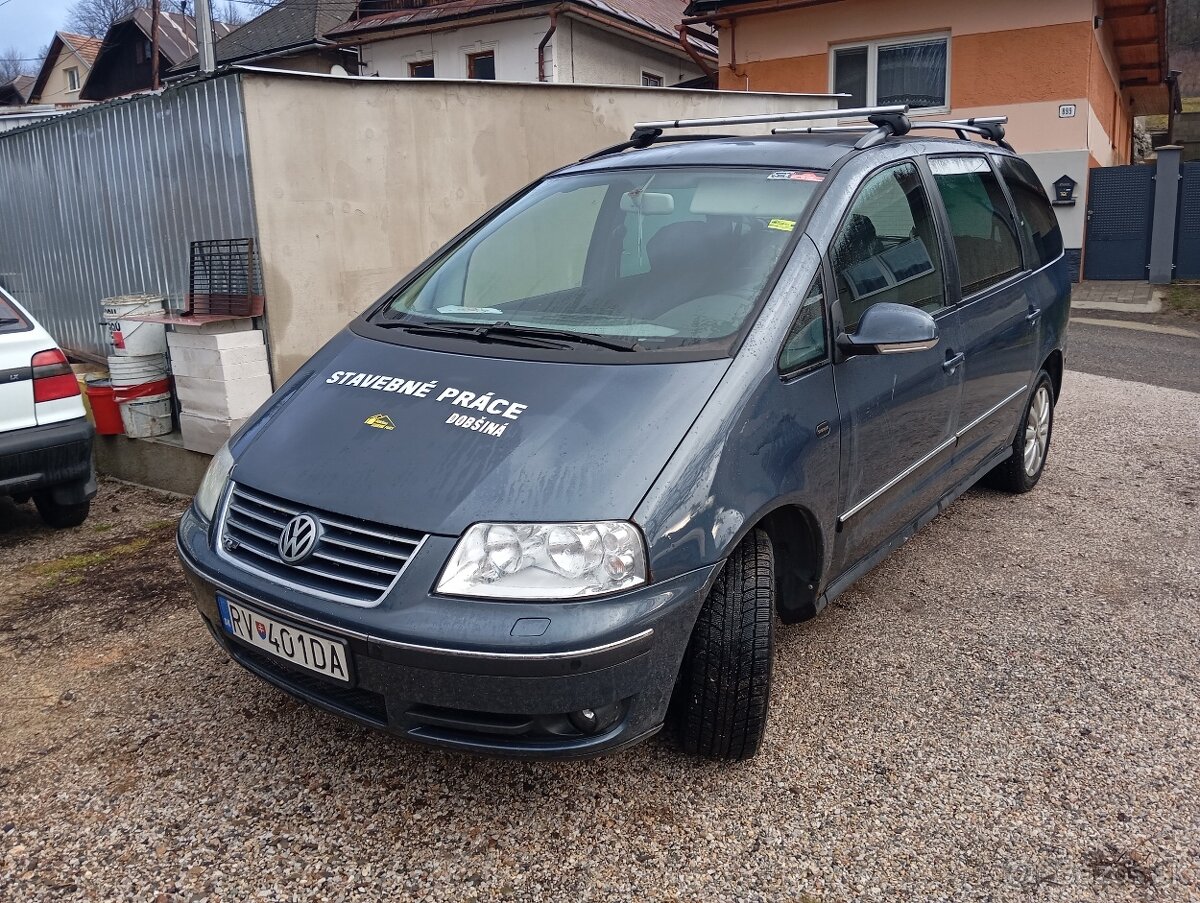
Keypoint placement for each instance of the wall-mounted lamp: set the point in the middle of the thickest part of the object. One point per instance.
(1064, 191)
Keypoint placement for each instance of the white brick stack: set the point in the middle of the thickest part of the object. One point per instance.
(221, 378)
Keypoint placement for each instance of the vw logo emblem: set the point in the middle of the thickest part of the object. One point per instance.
(299, 538)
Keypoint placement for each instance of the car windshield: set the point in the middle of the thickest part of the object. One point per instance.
(652, 259)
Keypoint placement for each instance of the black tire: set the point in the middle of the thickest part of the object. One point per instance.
(1011, 475)
(61, 516)
(725, 683)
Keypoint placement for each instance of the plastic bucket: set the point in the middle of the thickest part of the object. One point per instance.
(146, 417)
(105, 413)
(133, 337)
(134, 370)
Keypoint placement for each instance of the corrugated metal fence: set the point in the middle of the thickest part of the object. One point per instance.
(105, 201)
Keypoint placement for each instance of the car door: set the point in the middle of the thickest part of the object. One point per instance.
(997, 329)
(899, 411)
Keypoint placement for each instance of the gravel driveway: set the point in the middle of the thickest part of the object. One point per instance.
(1006, 709)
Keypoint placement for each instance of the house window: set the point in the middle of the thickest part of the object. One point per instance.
(650, 80)
(914, 71)
(482, 65)
(422, 69)
(72, 78)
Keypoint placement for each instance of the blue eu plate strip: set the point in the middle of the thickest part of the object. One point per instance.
(223, 605)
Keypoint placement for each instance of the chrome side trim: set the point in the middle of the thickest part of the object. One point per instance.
(904, 474)
(398, 644)
(989, 412)
(912, 468)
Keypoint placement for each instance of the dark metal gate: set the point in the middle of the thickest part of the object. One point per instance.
(1120, 207)
(1187, 232)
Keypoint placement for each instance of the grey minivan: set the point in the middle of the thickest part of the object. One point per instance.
(554, 489)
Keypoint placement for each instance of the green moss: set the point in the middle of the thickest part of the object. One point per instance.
(68, 565)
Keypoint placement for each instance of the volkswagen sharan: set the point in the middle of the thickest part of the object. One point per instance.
(555, 489)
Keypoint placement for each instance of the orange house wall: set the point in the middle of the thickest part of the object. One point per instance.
(1046, 63)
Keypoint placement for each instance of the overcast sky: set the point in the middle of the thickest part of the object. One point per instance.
(30, 24)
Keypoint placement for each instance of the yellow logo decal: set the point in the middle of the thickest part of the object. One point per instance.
(783, 225)
(380, 422)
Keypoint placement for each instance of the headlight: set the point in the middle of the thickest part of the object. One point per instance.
(214, 482)
(545, 561)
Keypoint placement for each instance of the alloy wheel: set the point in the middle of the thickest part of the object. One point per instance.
(1037, 431)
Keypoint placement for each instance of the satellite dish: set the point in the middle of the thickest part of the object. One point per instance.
(338, 70)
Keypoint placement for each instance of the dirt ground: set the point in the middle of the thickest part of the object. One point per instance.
(1008, 708)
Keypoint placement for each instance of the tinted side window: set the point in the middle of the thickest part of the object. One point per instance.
(806, 341)
(887, 249)
(11, 319)
(985, 235)
(1037, 216)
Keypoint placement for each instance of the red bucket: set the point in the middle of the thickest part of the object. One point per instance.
(104, 409)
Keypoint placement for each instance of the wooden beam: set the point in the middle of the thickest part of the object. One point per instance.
(1128, 12)
(1136, 42)
(1140, 67)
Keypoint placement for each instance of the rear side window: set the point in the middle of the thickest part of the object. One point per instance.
(887, 249)
(11, 319)
(1037, 216)
(985, 233)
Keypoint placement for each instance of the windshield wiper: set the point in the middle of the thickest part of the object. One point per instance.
(507, 332)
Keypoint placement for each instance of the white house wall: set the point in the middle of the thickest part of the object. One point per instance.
(514, 43)
(591, 55)
(577, 53)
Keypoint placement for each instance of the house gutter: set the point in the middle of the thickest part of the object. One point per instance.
(700, 61)
(546, 40)
(754, 10)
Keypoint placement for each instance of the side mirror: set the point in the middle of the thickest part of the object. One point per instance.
(888, 328)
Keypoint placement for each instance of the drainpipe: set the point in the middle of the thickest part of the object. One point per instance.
(709, 71)
(546, 40)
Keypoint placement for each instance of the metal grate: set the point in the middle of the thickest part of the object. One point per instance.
(226, 278)
(355, 561)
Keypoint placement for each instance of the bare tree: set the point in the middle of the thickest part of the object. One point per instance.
(234, 14)
(95, 17)
(13, 62)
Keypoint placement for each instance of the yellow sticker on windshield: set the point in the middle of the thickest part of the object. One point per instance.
(783, 225)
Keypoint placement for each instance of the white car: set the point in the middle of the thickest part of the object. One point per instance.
(45, 437)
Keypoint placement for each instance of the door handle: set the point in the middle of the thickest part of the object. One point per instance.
(951, 363)
(1033, 316)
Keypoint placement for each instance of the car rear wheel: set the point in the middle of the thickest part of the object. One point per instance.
(725, 683)
(1021, 471)
(58, 515)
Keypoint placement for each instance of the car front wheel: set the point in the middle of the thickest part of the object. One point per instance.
(725, 683)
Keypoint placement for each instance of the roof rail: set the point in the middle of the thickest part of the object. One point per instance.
(648, 131)
(990, 127)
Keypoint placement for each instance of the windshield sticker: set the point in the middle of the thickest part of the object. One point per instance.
(783, 225)
(795, 176)
(464, 309)
(380, 422)
(485, 402)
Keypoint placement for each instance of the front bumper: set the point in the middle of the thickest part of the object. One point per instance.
(457, 672)
(55, 457)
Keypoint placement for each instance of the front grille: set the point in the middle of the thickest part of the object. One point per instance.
(355, 561)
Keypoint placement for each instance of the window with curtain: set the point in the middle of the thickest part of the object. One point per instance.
(913, 72)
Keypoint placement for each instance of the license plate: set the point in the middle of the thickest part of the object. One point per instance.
(285, 641)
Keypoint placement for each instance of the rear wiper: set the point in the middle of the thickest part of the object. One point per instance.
(507, 332)
(8, 321)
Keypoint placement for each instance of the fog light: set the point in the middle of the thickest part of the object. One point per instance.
(593, 721)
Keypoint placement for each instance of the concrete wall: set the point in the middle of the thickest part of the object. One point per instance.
(387, 171)
(577, 53)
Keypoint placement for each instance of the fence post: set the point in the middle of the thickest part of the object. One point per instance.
(1166, 201)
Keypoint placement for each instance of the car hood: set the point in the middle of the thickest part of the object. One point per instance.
(387, 432)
